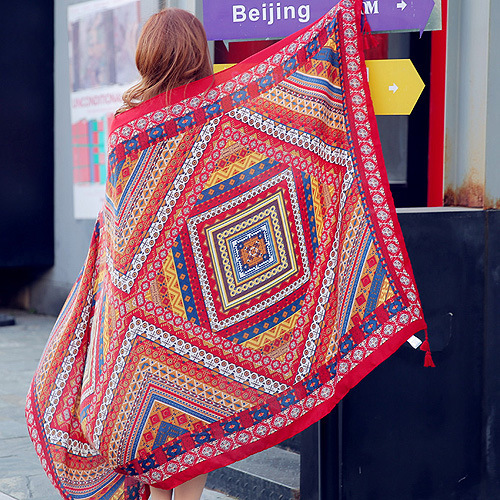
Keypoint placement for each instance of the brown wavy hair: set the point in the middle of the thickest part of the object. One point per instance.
(172, 51)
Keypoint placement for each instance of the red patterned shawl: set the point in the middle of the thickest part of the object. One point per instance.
(246, 271)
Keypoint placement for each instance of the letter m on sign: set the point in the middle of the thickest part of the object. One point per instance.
(371, 7)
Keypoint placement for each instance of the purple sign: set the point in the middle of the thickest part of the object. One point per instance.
(393, 15)
(254, 19)
(244, 19)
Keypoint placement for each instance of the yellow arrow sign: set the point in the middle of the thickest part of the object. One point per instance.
(395, 86)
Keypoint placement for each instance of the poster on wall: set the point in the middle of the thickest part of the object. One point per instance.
(102, 40)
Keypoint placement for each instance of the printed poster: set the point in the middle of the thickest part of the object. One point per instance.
(102, 40)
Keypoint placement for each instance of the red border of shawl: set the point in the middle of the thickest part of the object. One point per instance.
(380, 162)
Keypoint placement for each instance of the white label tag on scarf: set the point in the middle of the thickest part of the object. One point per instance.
(415, 342)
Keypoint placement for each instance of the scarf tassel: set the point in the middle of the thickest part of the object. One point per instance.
(428, 362)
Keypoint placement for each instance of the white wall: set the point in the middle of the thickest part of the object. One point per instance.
(72, 236)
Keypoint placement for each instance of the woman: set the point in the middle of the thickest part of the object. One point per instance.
(172, 51)
(223, 306)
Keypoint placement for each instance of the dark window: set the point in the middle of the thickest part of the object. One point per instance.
(405, 139)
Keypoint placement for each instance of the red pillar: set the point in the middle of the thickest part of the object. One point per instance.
(437, 113)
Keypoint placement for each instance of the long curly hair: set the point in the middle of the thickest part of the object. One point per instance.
(172, 51)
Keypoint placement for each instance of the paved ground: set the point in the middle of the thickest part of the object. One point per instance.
(21, 475)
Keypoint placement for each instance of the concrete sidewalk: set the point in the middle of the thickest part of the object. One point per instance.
(21, 475)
